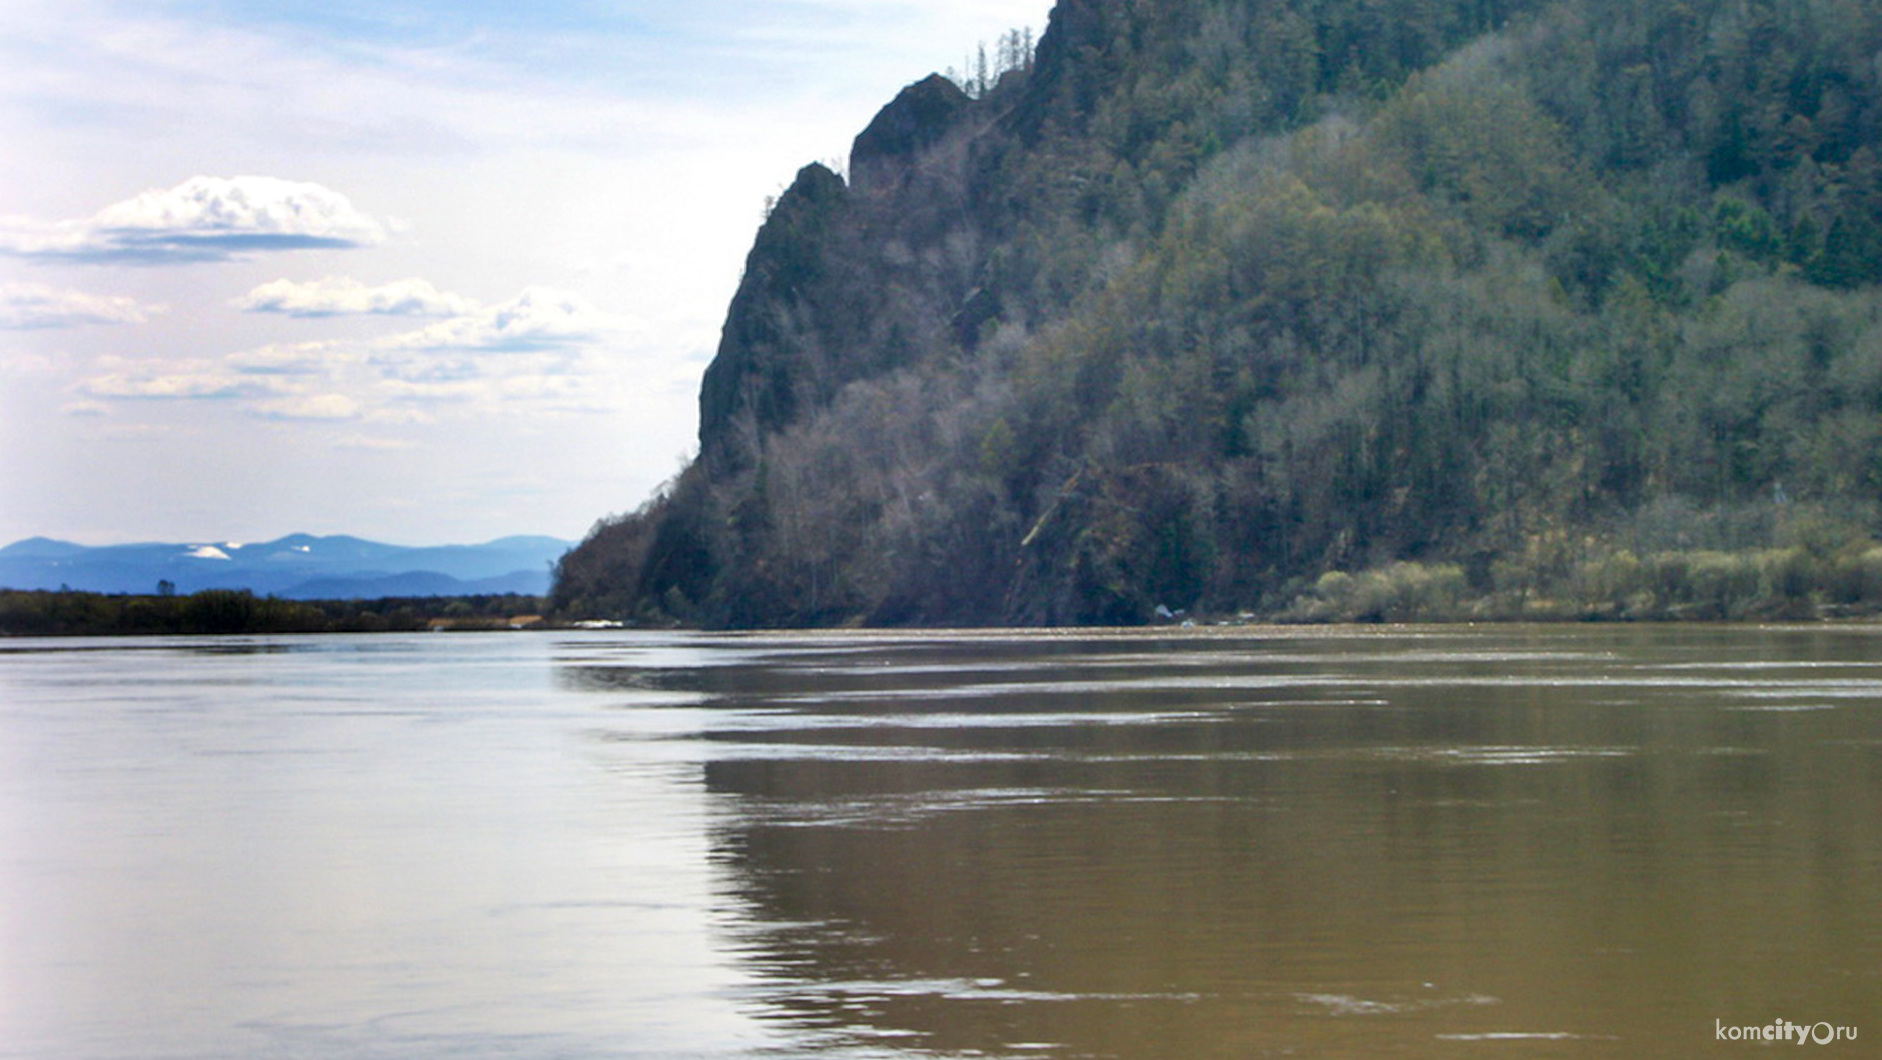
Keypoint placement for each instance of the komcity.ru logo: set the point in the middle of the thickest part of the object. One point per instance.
(1785, 1031)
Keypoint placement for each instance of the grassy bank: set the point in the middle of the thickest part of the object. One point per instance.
(1790, 584)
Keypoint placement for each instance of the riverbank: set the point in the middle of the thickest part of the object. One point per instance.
(234, 611)
(1796, 583)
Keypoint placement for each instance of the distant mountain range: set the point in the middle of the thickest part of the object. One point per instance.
(296, 567)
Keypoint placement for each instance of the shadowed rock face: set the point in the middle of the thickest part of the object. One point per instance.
(806, 315)
(772, 327)
(918, 119)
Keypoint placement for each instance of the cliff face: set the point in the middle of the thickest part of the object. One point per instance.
(774, 338)
(846, 281)
(1206, 298)
(886, 155)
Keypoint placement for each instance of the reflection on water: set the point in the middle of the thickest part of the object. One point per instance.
(1512, 842)
(1538, 842)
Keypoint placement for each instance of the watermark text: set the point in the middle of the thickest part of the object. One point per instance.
(1784, 1031)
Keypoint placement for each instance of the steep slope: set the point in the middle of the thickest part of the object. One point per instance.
(1211, 299)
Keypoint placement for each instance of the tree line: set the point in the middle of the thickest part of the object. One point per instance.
(231, 611)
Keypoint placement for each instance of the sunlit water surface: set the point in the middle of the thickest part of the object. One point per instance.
(1512, 842)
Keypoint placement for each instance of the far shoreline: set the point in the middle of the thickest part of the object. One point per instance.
(240, 612)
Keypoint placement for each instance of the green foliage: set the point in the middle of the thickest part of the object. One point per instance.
(1564, 308)
(1479, 144)
(1398, 592)
(1793, 582)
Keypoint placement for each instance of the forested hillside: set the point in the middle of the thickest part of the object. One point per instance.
(1321, 308)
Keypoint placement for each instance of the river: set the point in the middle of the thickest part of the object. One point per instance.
(1502, 842)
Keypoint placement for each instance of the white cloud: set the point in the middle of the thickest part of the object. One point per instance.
(202, 219)
(401, 417)
(26, 363)
(189, 379)
(372, 443)
(538, 319)
(310, 407)
(301, 358)
(26, 306)
(540, 383)
(539, 351)
(344, 296)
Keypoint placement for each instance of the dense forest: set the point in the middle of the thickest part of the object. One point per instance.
(1315, 309)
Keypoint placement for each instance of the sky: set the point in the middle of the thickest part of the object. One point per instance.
(427, 272)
